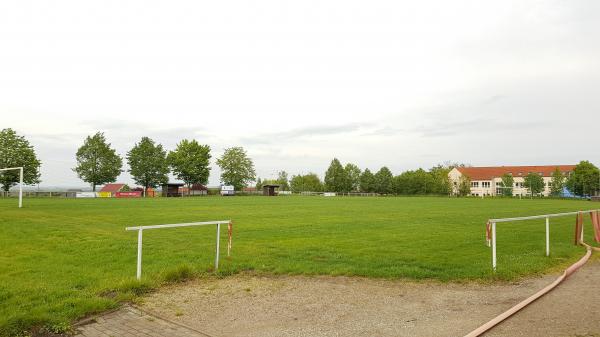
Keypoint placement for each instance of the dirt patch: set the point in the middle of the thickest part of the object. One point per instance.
(247, 305)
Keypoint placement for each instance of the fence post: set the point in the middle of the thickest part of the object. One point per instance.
(494, 246)
(217, 253)
(547, 236)
(139, 257)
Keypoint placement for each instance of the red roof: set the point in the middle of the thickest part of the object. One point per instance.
(112, 188)
(488, 173)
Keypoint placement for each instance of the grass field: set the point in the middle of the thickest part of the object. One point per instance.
(63, 258)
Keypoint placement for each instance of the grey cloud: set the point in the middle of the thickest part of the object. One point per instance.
(305, 133)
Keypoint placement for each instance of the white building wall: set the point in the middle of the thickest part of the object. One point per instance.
(477, 189)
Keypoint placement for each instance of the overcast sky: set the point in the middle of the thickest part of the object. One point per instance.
(405, 84)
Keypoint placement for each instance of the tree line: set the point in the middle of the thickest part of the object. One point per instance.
(350, 178)
(150, 164)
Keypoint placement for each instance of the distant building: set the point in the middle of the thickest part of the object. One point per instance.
(171, 189)
(150, 192)
(270, 190)
(110, 190)
(487, 181)
(197, 189)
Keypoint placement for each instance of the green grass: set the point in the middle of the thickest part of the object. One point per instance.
(61, 259)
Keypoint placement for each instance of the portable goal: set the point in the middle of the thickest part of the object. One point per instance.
(141, 229)
(491, 229)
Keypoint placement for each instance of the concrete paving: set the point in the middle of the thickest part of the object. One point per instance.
(129, 321)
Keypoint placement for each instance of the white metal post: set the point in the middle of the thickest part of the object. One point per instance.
(217, 252)
(547, 236)
(21, 187)
(139, 256)
(494, 246)
(20, 182)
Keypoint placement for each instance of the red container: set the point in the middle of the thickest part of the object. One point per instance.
(132, 194)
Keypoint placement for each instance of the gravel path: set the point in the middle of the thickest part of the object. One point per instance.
(572, 309)
(247, 305)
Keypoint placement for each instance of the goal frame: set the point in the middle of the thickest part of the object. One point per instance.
(492, 222)
(20, 168)
(141, 229)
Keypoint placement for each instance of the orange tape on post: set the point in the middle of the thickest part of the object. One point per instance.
(578, 228)
(596, 225)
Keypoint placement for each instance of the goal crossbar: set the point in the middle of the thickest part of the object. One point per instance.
(141, 229)
(20, 182)
(547, 217)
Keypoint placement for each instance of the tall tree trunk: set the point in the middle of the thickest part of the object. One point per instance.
(94, 187)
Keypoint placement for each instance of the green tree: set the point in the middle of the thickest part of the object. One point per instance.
(237, 169)
(148, 164)
(336, 179)
(507, 185)
(557, 183)
(464, 186)
(440, 181)
(306, 183)
(190, 162)
(283, 181)
(259, 184)
(534, 183)
(353, 176)
(97, 162)
(367, 181)
(383, 180)
(585, 179)
(15, 151)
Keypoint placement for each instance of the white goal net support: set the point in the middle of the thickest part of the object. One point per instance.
(20, 181)
(141, 229)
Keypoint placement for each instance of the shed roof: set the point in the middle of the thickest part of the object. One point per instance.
(488, 173)
(112, 188)
(173, 184)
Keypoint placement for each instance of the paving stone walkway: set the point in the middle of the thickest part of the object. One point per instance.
(132, 322)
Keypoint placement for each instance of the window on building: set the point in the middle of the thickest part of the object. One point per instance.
(474, 184)
(485, 184)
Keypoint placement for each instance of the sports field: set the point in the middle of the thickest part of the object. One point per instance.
(63, 258)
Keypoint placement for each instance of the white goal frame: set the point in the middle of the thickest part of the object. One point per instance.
(141, 229)
(20, 182)
(547, 217)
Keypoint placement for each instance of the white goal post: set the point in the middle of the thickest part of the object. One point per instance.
(20, 182)
(140, 230)
(492, 229)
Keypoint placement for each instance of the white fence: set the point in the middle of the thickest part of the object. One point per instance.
(140, 230)
(492, 223)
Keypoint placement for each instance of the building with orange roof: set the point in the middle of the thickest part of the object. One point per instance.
(487, 181)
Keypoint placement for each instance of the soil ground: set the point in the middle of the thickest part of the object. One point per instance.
(250, 305)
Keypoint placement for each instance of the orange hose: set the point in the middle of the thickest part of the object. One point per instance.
(535, 296)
